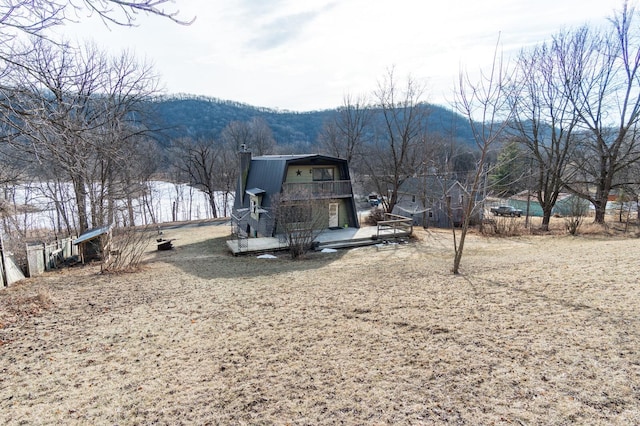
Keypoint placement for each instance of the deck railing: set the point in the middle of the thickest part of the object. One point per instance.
(324, 189)
(395, 226)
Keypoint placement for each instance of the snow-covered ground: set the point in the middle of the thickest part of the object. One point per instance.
(162, 202)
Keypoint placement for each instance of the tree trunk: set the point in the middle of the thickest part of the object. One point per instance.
(546, 218)
(600, 212)
(467, 212)
(132, 216)
(459, 250)
(212, 204)
(81, 202)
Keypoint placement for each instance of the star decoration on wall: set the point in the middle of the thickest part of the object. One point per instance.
(298, 172)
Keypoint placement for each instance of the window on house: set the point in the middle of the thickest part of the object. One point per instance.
(413, 199)
(324, 173)
(295, 213)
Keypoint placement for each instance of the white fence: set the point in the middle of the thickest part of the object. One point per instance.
(9, 272)
(48, 256)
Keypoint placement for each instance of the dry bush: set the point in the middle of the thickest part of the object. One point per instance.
(593, 228)
(502, 227)
(578, 210)
(300, 219)
(127, 247)
(573, 223)
(375, 215)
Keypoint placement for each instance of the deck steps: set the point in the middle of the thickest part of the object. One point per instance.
(350, 243)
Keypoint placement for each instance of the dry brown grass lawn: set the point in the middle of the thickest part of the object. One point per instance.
(537, 330)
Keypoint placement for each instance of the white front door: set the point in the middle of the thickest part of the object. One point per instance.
(333, 215)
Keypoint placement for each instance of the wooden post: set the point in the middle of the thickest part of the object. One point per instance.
(45, 257)
(4, 280)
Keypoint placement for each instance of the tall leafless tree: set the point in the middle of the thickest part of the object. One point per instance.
(485, 104)
(77, 110)
(545, 120)
(198, 161)
(345, 135)
(601, 75)
(395, 153)
(236, 134)
(261, 141)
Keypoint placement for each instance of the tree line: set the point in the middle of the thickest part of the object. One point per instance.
(73, 116)
(564, 118)
(574, 117)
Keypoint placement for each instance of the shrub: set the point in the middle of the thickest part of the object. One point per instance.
(502, 226)
(375, 215)
(125, 251)
(578, 209)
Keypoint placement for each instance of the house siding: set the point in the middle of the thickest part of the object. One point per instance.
(306, 174)
(437, 192)
(277, 177)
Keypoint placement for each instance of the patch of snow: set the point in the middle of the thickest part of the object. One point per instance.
(267, 256)
(328, 250)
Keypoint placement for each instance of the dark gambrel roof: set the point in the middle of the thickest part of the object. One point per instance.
(268, 172)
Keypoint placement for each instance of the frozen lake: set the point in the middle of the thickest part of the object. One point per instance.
(162, 202)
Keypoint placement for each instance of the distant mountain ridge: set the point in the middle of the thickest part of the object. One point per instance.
(205, 117)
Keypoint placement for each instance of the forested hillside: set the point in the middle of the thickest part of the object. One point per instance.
(204, 117)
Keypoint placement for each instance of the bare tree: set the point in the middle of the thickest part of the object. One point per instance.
(601, 75)
(485, 104)
(198, 161)
(300, 218)
(261, 138)
(34, 16)
(395, 154)
(227, 177)
(345, 135)
(236, 134)
(78, 111)
(545, 120)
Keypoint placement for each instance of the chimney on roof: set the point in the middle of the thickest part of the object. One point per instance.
(245, 163)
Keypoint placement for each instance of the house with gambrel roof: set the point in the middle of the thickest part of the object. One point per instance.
(267, 180)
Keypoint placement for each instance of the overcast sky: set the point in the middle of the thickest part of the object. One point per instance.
(304, 55)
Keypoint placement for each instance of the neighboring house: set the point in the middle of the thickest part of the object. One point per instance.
(432, 201)
(270, 179)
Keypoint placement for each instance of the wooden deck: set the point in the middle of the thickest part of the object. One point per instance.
(329, 238)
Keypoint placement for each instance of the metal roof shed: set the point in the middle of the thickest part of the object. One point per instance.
(94, 243)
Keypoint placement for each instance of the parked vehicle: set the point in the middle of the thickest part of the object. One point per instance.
(506, 211)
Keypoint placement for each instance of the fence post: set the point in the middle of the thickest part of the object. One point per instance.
(4, 280)
(44, 257)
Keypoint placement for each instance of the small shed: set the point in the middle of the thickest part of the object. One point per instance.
(94, 243)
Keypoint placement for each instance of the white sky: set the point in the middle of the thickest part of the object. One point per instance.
(306, 55)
